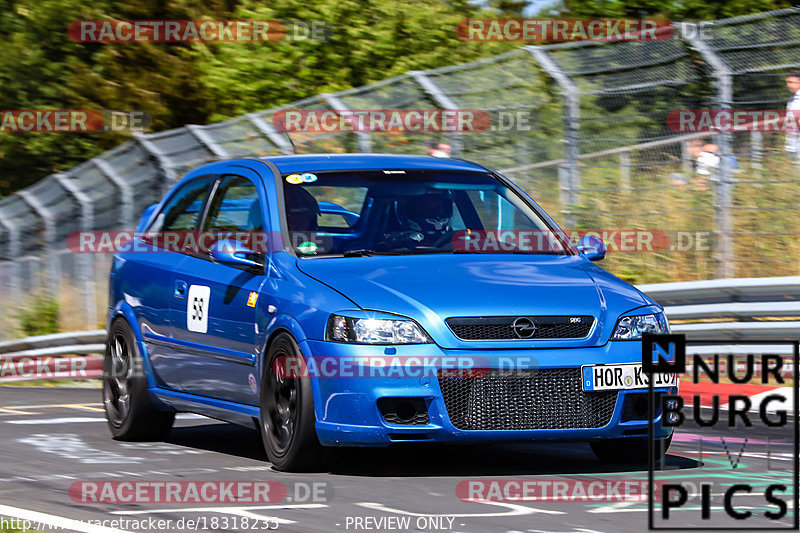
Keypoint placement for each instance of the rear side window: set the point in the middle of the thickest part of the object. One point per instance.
(235, 207)
(184, 208)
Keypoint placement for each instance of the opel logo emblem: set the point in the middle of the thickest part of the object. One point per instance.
(524, 327)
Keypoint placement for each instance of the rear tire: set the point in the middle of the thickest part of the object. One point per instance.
(629, 450)
(287, 411)
(126, 398)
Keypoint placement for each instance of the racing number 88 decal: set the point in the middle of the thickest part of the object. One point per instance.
(197, 308)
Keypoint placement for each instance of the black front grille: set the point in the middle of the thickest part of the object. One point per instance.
(549, 399)
(502, 327)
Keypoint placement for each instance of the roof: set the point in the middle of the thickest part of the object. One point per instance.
(319, 162)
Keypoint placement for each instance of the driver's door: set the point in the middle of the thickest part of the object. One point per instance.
(215, 319)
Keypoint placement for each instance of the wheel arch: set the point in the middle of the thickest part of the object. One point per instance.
(124, 311)
(288, 324)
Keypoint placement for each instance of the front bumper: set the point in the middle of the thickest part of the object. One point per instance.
(346, 403)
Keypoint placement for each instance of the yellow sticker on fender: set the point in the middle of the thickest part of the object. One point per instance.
(252, 299)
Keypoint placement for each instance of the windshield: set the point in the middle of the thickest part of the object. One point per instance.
(399, 212)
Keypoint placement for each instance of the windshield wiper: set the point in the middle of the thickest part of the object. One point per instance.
(365, 252)
(360, 252)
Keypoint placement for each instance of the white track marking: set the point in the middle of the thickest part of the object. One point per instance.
(9, 411)
(613, 507)
(52, 521)
(71, 446)
(515, 510)
(65, 420)
(84, 419)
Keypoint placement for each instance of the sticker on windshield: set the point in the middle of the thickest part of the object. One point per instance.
(197, 308)
(307, 248)
(305, 177)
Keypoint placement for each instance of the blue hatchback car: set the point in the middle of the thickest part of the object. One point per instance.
(366, 300)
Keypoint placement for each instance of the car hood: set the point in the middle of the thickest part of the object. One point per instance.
(433, 288)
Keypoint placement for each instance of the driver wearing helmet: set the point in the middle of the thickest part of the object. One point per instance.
(426, 221)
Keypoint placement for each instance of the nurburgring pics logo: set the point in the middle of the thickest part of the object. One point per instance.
(562, 30)
(734, 493)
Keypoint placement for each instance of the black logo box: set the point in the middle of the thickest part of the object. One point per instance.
(679, 366)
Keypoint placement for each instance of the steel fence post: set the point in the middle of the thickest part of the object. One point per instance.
(48, 217)
(266, 128)
(444, 101)
(363, 137)
(126, 216)
(206, 140)
(571, 127)
(723, 191)
(87, 224)
(14, 246)
(168, 176)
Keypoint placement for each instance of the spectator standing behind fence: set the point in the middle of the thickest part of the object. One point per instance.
(705, 162)
(438, 149)
(793, 138)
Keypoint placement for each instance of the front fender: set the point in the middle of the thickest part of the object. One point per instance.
(124, 310)
(288, 323)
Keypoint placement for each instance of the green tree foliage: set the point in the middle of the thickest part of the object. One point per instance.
(177, 84)
(690, 10)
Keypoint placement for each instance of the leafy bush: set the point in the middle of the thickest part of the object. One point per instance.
(40, 317)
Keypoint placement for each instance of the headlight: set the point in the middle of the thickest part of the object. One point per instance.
(630, 328)
(375, 331)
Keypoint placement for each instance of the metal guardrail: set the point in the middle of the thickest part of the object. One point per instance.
(86, 342)
(72, 355)
(723, 310)
(732, 309)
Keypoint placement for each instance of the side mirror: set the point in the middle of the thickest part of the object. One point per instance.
(145, 218)
(233, 253)
(593, 248)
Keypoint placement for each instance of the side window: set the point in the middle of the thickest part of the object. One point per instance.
(184, 207)
(498, 214)
(235, 207)
(339, 207)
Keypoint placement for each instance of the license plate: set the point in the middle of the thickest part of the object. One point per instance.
(621, 377)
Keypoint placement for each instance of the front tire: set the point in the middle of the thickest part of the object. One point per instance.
(629, 450)
(129, 412)
(287, 410)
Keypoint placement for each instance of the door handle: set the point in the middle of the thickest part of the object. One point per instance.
(180, 289)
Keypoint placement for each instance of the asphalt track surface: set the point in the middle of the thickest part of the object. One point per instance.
(51, 438)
